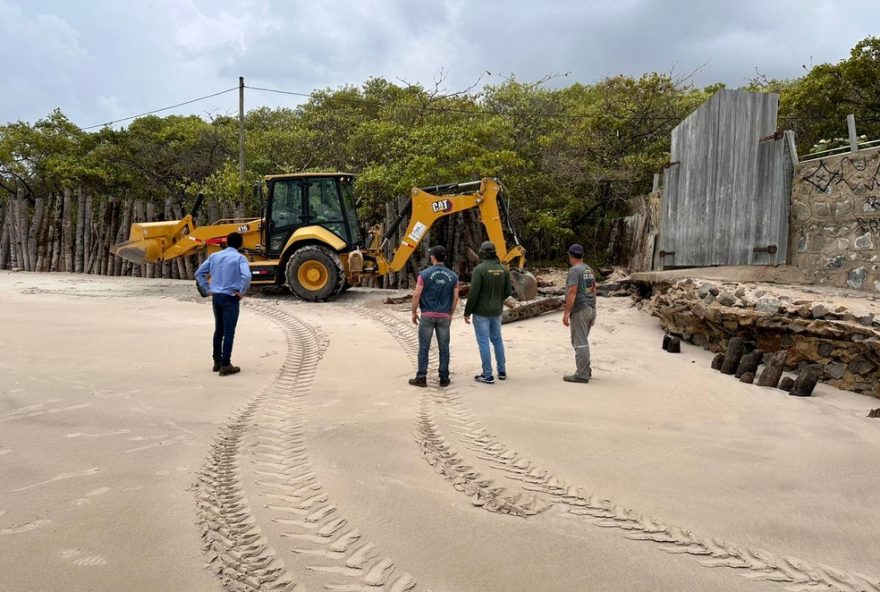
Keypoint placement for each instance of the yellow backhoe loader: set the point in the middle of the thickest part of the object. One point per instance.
(310, 237)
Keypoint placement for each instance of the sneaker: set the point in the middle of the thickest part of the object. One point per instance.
(502, 376)
(575, 378)
(422, 382)
(484, 380)
(229, 369)
(444, 382)
(216, 367)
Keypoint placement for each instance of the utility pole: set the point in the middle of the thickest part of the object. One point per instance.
(241, 136)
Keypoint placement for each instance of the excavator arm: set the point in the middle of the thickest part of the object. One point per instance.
(427, 208)
(427, 205)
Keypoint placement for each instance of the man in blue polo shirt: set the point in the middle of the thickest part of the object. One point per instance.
(230, 279)
(437, 296)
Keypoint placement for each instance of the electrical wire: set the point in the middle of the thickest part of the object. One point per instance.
(216, 94)
(362, 101)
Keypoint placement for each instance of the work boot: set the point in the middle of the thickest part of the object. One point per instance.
(444, 382)
(229, 369)
(216, 367)
(575, 378)
(422, 382)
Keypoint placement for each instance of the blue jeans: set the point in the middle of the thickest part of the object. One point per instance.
(225, 318)
(489, 329)
(427, 326)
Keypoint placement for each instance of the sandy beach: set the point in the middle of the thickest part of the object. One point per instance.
(126, 464)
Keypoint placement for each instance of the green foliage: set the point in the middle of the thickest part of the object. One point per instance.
(570, 158)
(816, 105)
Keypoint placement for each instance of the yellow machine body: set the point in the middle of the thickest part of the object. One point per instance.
(315, 262)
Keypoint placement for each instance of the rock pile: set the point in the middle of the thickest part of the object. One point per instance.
(844, 344)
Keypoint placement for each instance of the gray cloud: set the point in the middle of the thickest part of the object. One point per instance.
(105, 60)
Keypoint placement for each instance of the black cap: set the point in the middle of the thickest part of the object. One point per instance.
(438, 252)
(487, 247)
(576, 250)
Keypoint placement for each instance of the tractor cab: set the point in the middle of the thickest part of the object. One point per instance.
(300, 200)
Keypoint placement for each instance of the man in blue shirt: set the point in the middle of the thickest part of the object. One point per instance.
(437, 296)
(230, 279)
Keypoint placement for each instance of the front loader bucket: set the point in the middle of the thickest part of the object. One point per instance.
(139, 251)
(524, 284)
(147, 241)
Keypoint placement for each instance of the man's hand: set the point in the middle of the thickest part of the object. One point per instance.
(467, 320)
(415, 318)
(566, 319)
(238, 294)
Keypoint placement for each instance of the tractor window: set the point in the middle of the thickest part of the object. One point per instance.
(286, 205)
(347, 186)
(324, 203)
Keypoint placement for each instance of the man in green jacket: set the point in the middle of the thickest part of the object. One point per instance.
(490, 287)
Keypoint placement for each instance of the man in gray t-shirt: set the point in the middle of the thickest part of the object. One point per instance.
(580, 311)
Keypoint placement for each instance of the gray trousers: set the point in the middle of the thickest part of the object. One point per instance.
(580, 324)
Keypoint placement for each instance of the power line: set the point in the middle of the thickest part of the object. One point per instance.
(363, 101)
(216, 94)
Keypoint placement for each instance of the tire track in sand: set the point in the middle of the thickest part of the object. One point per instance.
(435, 447)
(712, 552)
(269, 431)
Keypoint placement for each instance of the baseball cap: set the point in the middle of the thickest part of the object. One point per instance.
(488, 247)
(576, 250)
(438, 252)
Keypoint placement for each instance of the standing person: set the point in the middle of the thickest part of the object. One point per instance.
(230, 279)
(490, 287)
(437, 295)
(580, 312)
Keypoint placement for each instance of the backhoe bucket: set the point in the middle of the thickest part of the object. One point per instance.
(524, 284)
(147, 241)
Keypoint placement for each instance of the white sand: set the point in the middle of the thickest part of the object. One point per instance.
(316, 474)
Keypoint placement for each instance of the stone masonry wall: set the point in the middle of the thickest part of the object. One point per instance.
(835, 220)
(844, 340)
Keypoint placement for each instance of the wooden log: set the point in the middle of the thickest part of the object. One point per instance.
(666, 338)
(527, 310)
(674, 346)
(874, 413)
(735, 348)
(747, 377)
(4, 233)
(79, 243)
(806, 381)
(749, 363)
(773, 369)
(717, 361)
(66, 232)
(786, 383)
(398, 299)
(34, 231)
(551, 291)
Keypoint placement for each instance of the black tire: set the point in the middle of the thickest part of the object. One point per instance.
(314, 273)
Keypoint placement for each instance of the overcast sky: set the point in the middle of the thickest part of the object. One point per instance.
(104, 60)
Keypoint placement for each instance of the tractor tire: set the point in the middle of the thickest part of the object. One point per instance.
(314, 273)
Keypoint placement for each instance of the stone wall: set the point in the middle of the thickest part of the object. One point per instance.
(844, 340)
(835, 220)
